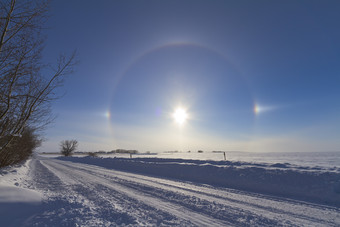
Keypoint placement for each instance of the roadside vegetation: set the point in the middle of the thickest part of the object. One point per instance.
(27, 85)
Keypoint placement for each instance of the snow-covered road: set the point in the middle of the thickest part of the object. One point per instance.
(79, 194)
(76, 194)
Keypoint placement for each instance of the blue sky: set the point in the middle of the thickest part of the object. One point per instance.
(252, 75)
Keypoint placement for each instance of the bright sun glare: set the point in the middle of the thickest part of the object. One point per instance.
(180, 116)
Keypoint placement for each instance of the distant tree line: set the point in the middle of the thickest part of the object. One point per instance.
(117, 151)
(27, 86)
(123, 151)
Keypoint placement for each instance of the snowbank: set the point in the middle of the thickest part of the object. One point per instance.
(281, 179)
(17, 204)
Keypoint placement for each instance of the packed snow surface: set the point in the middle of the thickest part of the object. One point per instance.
(85, 191)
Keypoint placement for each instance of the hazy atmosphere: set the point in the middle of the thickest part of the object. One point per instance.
(245, 75)
(169, 113)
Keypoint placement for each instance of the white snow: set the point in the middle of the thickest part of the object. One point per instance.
(11, 182)
(17, 204)
(87, 191)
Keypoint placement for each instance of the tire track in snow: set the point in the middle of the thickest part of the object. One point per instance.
(71, 203)
(145, 202)
(272, 208)
(278, 210)
(219, 211)
(113, 205)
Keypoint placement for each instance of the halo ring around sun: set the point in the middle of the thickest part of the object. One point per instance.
(158, 49)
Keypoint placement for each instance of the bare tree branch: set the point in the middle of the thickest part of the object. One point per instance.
(25, 93)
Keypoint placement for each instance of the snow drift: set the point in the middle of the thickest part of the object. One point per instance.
(17, 204)
(309, 184)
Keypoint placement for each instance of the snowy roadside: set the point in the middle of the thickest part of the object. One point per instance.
(17, 203)
(307, 184)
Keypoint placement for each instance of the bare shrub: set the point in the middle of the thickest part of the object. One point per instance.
(21, 148)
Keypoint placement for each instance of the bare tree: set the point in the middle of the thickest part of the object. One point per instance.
(27, 87)
(67, 147)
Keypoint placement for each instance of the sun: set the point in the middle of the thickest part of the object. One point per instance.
(180, 116)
